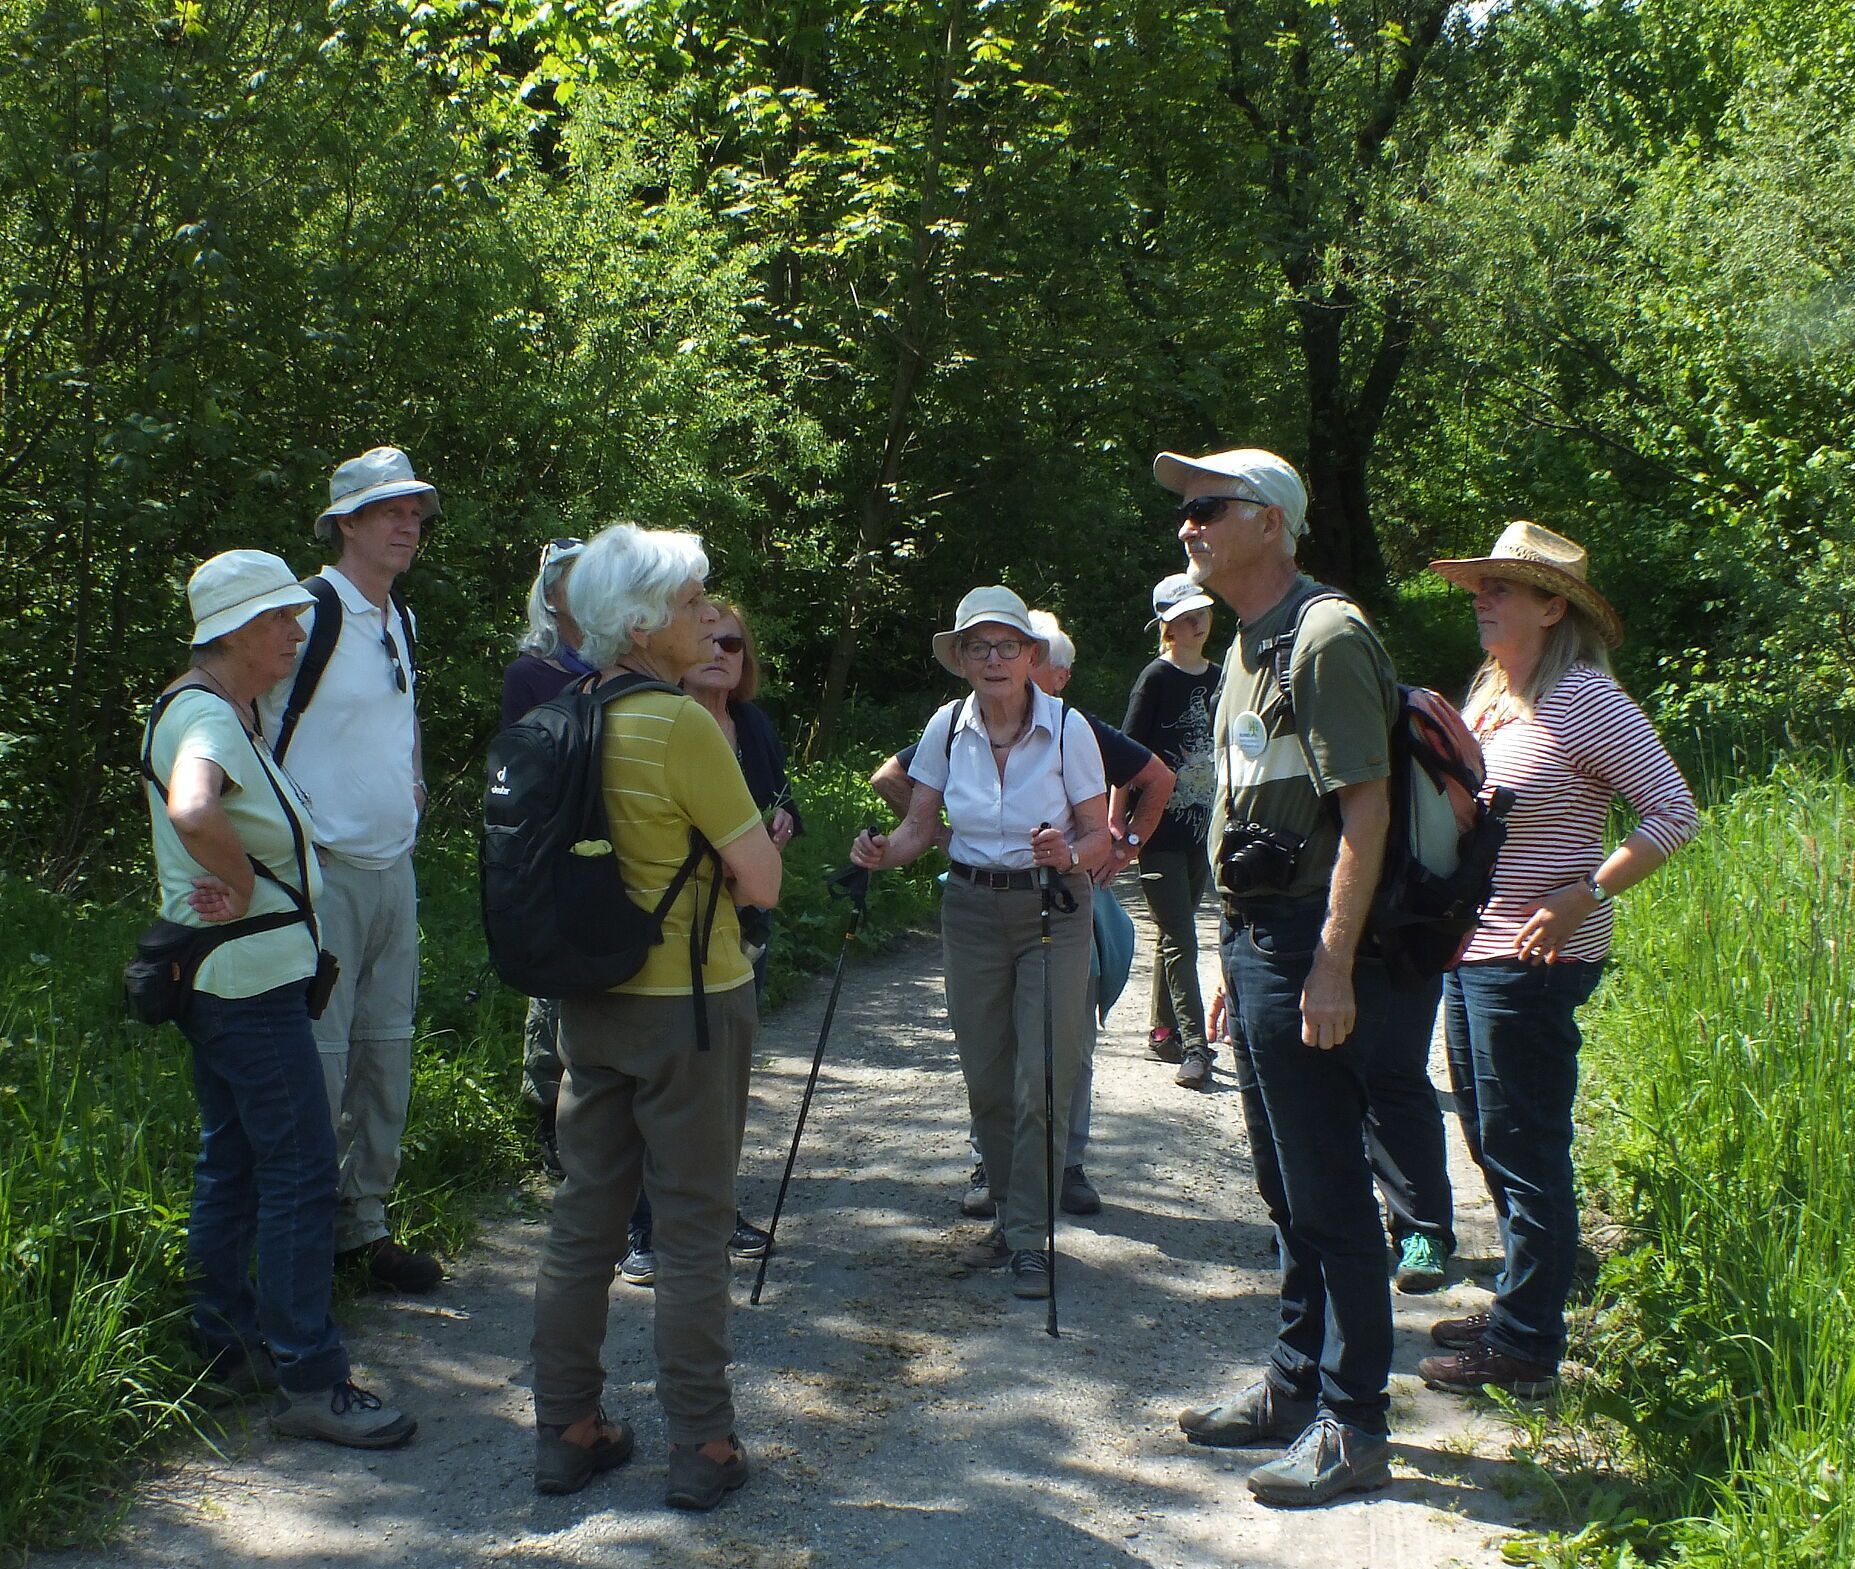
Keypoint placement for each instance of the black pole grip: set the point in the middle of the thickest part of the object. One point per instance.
(853, 881)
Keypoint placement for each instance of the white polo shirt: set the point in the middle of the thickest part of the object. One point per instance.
(992, 819)
(352, 753)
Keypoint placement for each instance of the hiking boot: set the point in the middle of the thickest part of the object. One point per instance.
(697, 1482)
(389, 1267)
(1420, 1265)
(562, 1466)
(1330, 1457)
(978, 1201)
(748, 1241)
(1164, 1044)
(1465, 1372)
(1458, 1334)
(235, 1375)
(1194, 1069)
(345, 1414)
(991, 1251)
(1079, 1195)
(1030, 1273)
(1262, 1414)
(640, 1266)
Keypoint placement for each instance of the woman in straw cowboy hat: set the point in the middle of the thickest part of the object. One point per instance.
(1020, 776)
(1557, 729)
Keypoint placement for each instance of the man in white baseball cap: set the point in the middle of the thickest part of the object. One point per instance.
(347, 727)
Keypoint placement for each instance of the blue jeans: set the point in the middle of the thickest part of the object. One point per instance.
(265, 1178)
(1306, 1111)
(1513, 1064)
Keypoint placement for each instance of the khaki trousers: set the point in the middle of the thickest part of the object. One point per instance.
(994, 957)
(638, 1102)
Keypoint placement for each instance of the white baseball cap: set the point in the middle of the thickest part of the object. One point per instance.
(237, 586)
(1176, 596)
(376, 475)
(1247, 472)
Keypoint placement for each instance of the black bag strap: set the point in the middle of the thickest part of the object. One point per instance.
(1278, 653)
(249, 925)
(320, 649)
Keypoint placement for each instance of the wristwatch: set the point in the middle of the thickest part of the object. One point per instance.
(1075, 858)
(1596, 889)
(1132, 841)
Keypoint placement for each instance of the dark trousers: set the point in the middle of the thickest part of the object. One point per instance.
(1404, 1139)
(265, 1180)
(1513, 1064)
(1306, 1112)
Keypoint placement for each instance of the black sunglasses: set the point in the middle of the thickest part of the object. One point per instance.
(392, 653)
(1208, 509)
(732, 643)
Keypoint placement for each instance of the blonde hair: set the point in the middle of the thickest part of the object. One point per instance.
(1574, 639)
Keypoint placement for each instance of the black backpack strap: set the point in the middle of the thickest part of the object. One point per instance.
(1278, 654)
(316, 655)
(405, 625)
(952, 711)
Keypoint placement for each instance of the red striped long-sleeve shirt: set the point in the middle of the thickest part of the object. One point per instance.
(1586, 743)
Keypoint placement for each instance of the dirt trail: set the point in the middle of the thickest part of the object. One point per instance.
(895, 1406)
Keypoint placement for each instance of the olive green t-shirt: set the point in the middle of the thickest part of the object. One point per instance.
(669, 768)
(1345, 697)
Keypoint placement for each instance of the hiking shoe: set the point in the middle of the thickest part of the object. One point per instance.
(1079, 1195)
(1194, 1069)
(389, 1267)
(345, 1414)
(1262, 1414)
(991, 1251)
(235, 1375)
(1458, 1334)
(1164, 1044)
(1465, 1372)
(1330, 1457)
(562, 1466)
(1420, 1265)
(978, 1200)
(1030, 1273)
(697, 1482)
(748, 1241)
(640, 1266)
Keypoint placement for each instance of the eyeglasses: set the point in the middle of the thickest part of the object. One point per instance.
(392, 653)
(731, 643)
(1208, 509)
(978, 649)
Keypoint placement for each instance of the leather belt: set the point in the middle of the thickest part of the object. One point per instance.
(988, 877)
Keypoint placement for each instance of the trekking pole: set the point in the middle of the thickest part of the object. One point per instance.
(852, 883)
(1047, 885)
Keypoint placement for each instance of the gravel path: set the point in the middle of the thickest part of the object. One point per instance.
(896, 1407)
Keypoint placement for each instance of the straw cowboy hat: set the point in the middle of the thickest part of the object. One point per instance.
(1527, 553)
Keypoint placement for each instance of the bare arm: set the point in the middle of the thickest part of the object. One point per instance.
(916, 831)
(754, 868)
(199, 818)
(892, 783)
(1088, 838)
(1328, 1008)
(1154, 782)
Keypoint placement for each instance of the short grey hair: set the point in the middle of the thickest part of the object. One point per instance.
(1061, 652)
(542, 639)
(623, 583)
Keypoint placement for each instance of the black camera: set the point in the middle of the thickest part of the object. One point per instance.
(1255, 859)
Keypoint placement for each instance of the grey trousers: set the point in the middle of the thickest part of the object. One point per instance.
(994, 957)
(638, 1102)
(1173, 882)
(370, 922)
(541, 1054)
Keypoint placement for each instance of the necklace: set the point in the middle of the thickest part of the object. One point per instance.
(247, 716)
(1024, 729)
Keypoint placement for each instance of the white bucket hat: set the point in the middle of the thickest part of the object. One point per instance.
(996, 603)
(1176, 596)
(237, 586)
(376, 475)
(1527, 553)
(1247, 472)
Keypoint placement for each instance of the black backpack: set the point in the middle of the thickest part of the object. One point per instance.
(321, 646)
(559, 919)
(1446, 829)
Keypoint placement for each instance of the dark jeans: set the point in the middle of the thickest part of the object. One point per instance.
(1306, 1113)
(1513, 1063)
(265, 1178)
(1404, 1139)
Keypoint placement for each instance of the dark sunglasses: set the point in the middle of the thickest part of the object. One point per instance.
(733, 643)
(555, 549)
(1208, 509)
(392, 653)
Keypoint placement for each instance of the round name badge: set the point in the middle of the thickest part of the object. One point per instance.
(1252, 736)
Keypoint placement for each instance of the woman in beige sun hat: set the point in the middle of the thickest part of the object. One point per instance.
(1557, 730)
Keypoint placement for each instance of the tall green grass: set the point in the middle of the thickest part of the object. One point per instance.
(98, 1129)
(1720, 1113)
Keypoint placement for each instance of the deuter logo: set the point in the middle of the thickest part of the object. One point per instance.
(500, 787)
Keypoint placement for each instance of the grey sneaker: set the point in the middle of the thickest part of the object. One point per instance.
(1194, 1069)
(978, 1201)
(1421, 1262)
(1262, 1414)
(345, 1414)
(640, 1266)
(990, 1252)
(1079, 1195)
(1328, 1459)
(1030, 1274)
